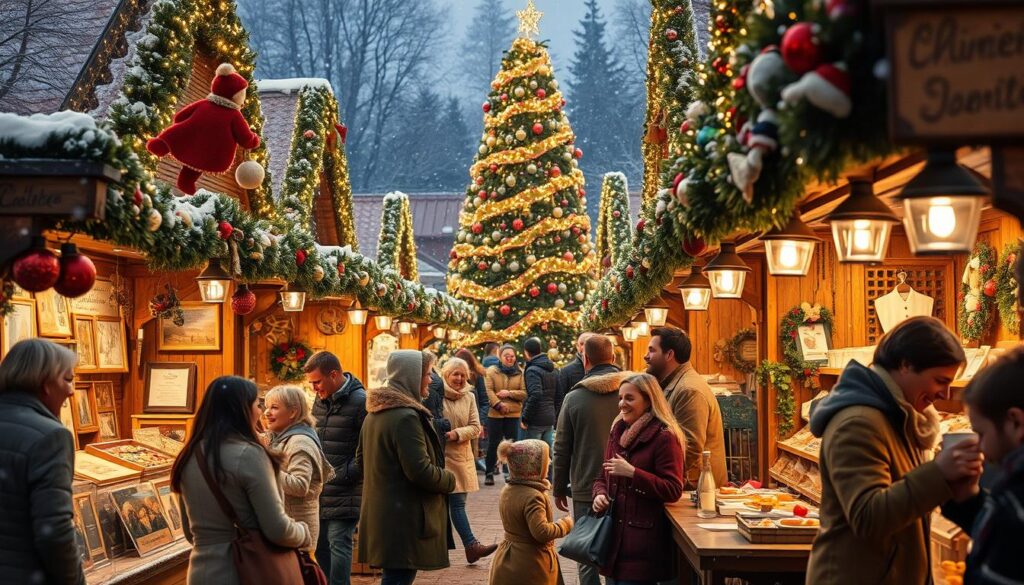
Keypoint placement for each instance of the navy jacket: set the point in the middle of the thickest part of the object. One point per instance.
(338, 422)
(541, 390)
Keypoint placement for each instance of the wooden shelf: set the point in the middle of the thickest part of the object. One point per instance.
(798, 452)
(813, 498)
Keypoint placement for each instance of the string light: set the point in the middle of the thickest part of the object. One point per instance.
(525, 199)
(524, 153)
(524, 238)
(469, 289)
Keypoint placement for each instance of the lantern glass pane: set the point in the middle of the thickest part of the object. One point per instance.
(696, 299)
(942, 225)
(656, 316)
(404, 327)
(727, 284)
(789, 257)
(213, 290)
(292, 300)
(357, 316)
(383, 322)
(861, 240)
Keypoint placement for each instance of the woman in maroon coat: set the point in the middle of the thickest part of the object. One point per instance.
(643, 470)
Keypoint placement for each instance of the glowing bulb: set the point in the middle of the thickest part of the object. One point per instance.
(941, 218)
(694, 298)
(862, 234)
(727, 282)
(789, 257)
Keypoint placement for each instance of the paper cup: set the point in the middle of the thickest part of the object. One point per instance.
(950, 439)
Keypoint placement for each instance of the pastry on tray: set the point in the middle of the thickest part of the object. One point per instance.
(797, 522)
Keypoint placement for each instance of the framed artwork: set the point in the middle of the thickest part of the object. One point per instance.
(54, 316)
(108, 426)
(97, 302)
(114, 537)
(86, 518)
(139, 508)
(172, 508)
(67, 418)
(201, 331)
(170, 387)
(85, 411)
(85, 336)
(20, 293)
(104, 395)
(814, 341)
(380, 348)
(101, 471)
(111, 350)
(19, 324)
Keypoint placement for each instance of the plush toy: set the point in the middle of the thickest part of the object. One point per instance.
(767, 74)
(205, 133)
(827, 88)
(762, 138)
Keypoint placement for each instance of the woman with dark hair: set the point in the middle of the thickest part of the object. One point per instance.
(224, 436)
(476, 380)
(879, 482)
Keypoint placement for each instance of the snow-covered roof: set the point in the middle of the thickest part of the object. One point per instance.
(34, 131)
(291, 85)
(278, 128)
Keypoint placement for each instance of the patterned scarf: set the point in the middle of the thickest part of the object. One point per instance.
(635, 429)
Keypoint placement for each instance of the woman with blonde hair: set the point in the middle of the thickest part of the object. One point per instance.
(643, 471)
(305, 468)
(36, 377)
(460, 409)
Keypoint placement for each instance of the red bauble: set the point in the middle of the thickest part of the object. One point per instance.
(630, 272)
(37, 269)
(138, 196)
(300, 257)
(557, 239)
(568, 257)
(671, 34)
(225, 230)
(482, 194)
(720, 65)
(694, 246)
(578, 153)
(487, 107)
(77, 272)
(341, 269)
(552, 288)
(739, 83)
(503, 225)
(505, 310)
(575, 230)
(480, 180)
(517, 224)
(477, 228)
(538, 128)
(493, 168)
(616, 214)
(583, 192)
(556, 172)
(309, 134)
(482, 266)
(800, 49)
(541, 93)
(604, 304)
(244, 300)
(721, 23)
(504, 97)
(990, 288)
(640, 225)
(453, 255)
(534, 291)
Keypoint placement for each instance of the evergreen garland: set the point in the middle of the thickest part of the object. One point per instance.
(977, 293)
(732, 351)
(805, 314)
(1007, 286)
(779, 375)
(613, 223)
(396, 248)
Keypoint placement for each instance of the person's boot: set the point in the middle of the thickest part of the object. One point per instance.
(477, 551)
(489, 479)
(480, 467)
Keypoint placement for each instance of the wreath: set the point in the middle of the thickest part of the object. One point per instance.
(977, 293)
(1006, 287)
(779, 375)
(806, 372)
(734, 355)
(287, 360)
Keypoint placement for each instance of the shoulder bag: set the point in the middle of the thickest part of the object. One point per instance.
(256, 559)
(590, 537)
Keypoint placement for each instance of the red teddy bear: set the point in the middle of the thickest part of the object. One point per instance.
(205, 133)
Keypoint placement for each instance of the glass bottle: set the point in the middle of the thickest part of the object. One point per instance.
(706, 488)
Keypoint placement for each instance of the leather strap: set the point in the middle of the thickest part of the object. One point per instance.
(222, 500)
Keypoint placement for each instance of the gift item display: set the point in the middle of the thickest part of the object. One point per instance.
(132, 455)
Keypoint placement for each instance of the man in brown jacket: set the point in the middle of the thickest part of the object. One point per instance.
(691, 399)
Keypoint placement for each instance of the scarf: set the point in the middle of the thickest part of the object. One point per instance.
(923, 426)
(541, 485)
(634, 430)
(509, 371)
(299, 428)
(453, 394)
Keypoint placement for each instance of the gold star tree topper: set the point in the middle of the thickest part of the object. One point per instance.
(529, 20)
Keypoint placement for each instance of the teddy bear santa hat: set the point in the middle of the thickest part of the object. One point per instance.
(205, 134)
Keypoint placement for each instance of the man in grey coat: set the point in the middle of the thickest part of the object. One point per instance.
(582, 434)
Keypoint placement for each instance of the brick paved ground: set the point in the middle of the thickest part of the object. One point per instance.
(482, 507)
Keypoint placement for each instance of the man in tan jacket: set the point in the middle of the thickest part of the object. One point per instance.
(691, 399)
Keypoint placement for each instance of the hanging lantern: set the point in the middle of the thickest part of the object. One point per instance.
(942, 206)
(439, 332)
(656, 316)
(383, 322)
(861, 225)
(293, 300)
(696, 290)
(214, 282)
(405, 327)
(641, 328)
(357, 315)
(628, 333)
(789, 250)
(727, 273)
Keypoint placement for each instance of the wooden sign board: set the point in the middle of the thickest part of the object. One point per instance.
(75, 189)
(957, 71)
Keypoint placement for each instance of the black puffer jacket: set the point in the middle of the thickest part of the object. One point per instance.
(568, 376)
(338, 422)
(541, 391)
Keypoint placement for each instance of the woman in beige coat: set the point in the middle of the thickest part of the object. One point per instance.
(506, 391)
(527, 555)
(305, 467)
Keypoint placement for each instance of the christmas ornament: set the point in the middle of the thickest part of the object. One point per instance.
(990, 288)
(37, 269)
(382, 289)
(482, 266)
(243, 301)
(555, 172)
(800, 48)
(827, 88)
(766, 76)
(364, 278)
(538, 128)
(510, 180)
(185, 217)
(318, 273)
(531, 260)
(559, 304)
(531, 168)
(342, 131)
(706, 135)
(552, 288)
(694, 246)
(505, 310)
(486, 325)
(496, 267)
(534, 291)
(517, 224)
(836, 9)
(519, 92)
(557, 212)
(341, 269)
(477, 228)
(153, 220)
(579, 295)
(520, 135)
(491, 314)
(167, 306)
(630, 272)
(513, 266)
(206, 132)
(482, 149)
(553, 354)
(486, 107)
(309, 134)
(568, 257)
(578, 153)
(671, 34)
(541, 94)
(224, 229)
(300, 257)
(77, 272)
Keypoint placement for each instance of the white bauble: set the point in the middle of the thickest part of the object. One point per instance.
(553, 354)
(553, 84)
(496, 267)
(482, 149)
(557, 212)
(490, 313)
(579, 295)
(501, 190)
(519, 92)
(486, 325)
(562, 288)
(249, 175)
(575, 163)
(567, 156)
(531, 260)
(553, 124)
(510, 180)
(496, 235)
(154, 219)
(491, 141)
(559, 303)
(566, 234)
(508, 139)
(513, 266)
(520, 135)
(531, 168)
(533, 84)
(318, 273)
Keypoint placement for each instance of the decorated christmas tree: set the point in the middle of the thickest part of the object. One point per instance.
(523, 252)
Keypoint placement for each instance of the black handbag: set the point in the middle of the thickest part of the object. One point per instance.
(590, 537)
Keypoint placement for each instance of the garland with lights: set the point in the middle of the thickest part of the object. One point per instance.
(160, 70)
(613, 222)
(805, 314)
(977, 293)
(396, 248)
(179, 234)
(1007, 287)
(288, 359)
(779, 376)
(522, 251)
(733, 353)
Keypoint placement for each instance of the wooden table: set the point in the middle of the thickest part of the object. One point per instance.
(715, 555)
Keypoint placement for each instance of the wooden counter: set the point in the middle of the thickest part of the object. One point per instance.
(715, 555)
(167, 566)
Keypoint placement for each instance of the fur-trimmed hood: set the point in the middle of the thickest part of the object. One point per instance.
(386, 398)
(604, 382)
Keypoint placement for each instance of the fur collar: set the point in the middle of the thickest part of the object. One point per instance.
(222, 102)
(604, 383)
(381, 399)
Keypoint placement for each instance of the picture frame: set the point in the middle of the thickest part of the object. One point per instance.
(96, 302)
(814, 340)
(105, 401)
(201, 331)
(67, 418)
(169, 388)
(53, 314)
(87, 520)
(111, 349)
(102, 471)
(19, 293)
(108, 426)
(19, 324)
(85, 346)
(114, 536)
(140, 511)
(378, 350)
(86, 415)
(171, 505)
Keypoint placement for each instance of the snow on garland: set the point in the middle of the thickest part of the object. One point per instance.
(288, 359)
(977, 293)
(613, 224)
(396, 247)
(1007, 287)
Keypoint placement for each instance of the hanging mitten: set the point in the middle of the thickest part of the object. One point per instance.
(205, 133)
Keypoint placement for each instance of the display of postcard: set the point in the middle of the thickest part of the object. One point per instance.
(101, 471)
(114, 536)
(171, 505)
(154, 438)
(132, 454)
(87, 522)
(140, 510)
